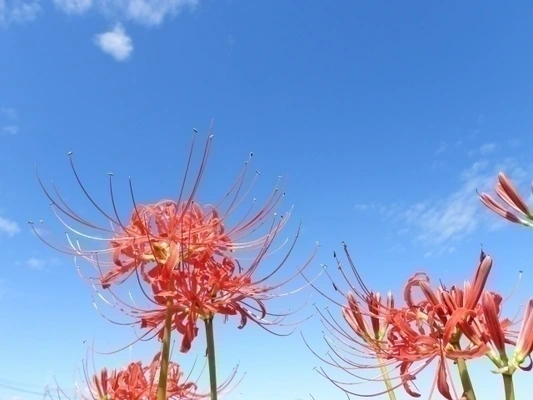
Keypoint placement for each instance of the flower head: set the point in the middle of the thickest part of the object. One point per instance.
(401, 342)
(183, 256)
(506, 191)
(139, 382)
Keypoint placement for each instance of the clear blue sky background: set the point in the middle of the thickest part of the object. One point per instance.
(386, 116)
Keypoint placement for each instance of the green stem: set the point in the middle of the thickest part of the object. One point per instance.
(165, 356)
(465, 379)
(211, 357)
(386, 379)
(509, 386)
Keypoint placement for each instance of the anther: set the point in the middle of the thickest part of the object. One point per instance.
(110, 174)
(30, 222)
(69, 153)
(195, 130)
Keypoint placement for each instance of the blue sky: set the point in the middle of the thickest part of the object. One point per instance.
(385, 116)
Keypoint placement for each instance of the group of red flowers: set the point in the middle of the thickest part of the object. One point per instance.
(435, 325)
(185, 259)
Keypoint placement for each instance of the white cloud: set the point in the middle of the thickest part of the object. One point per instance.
(9, 112)
(10, 130)
(73, 6)
(35, 263)
(116, 43)
(8, 227)
(149, 12)
(439, 223)
(442, 147)
(39, 264)
(18, 11)
(487, 148)
(443, 221)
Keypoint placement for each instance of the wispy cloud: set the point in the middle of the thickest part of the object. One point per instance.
(483, 150)
(39, 264)
(116, 43)
(447, 220)
(9, 112)
(487, 148)
(439, 223)
(74, 6)
(18, 11)
(10, 129)
(8, 227)
(7, 116)
(147, 12)
(442, 147)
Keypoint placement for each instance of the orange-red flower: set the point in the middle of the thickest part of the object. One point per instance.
(185, 256)
(403, 341)
(138, 382)
(507, 192)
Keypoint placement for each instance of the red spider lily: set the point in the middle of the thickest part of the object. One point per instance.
(217, 288)
(409, 339)
(138, 382)
(185, 256)
(510, 196)
(498, 333)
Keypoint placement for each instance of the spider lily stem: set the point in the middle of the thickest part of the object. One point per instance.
(386, 379)
(466, 382)
(211, 357)
(509, 386)
(165, 356)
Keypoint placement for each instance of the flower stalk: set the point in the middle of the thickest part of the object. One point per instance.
(211, 360)
(466, 382)
(386, 379)
(165, 355)
(509, 386)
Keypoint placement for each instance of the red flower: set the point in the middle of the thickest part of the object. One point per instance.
(186, 257)
(138, 382)
(402, 342)
(510, 196)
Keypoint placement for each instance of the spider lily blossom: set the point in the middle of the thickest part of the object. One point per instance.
(139, 382)
(403, 341)
(500, 334)
(507, 192)
(190, 260)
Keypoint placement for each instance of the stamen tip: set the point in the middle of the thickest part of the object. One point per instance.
(69, 153)
(195, 130)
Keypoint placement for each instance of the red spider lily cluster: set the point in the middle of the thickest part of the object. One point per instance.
(185, 257)
(434, 326)
(138, 382)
